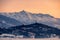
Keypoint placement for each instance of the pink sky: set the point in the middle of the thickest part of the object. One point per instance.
(51, 7)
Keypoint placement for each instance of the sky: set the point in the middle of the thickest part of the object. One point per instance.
(51, 7)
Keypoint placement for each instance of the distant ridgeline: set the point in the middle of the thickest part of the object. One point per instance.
(35, 30)
(26, 18)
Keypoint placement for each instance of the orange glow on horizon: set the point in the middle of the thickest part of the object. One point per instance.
(51, 7)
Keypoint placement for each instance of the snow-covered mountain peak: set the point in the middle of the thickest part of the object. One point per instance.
(26, 18)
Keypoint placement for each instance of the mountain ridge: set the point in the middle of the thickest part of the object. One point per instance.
(29, 18)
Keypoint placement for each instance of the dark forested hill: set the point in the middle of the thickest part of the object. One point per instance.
(37, 30)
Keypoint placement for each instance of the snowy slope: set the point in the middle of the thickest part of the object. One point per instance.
(6, 22)
(29, 18)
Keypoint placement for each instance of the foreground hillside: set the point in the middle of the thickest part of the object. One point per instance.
(35, 30)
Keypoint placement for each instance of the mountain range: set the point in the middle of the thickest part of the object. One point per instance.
(26, 18)
(29, 24)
